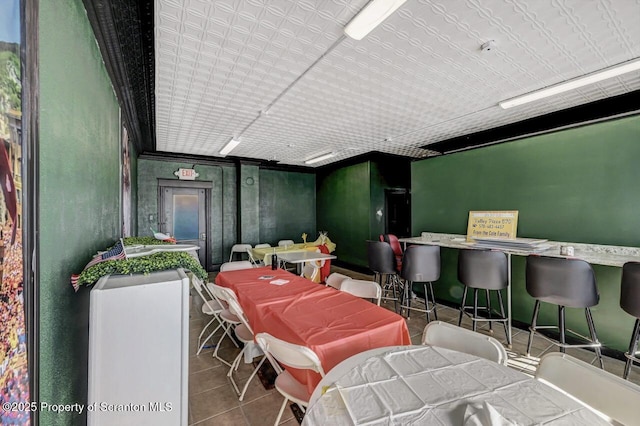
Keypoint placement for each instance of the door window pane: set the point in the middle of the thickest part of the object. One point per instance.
(185, 217)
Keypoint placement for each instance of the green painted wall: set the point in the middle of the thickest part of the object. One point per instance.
(348, 200)
(580, 185)
(343, 209)
(276, 204)
(79, 194)
(223, 221)
(287, 206)
(249, 204)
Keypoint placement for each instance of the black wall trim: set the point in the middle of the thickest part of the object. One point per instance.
(602, 109)
(124, 32)
(226, 161)
(369, 156)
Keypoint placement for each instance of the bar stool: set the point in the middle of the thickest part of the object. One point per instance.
(483, 270)
(421, 264)
(630, 303)
(382, 262)
(566, 283)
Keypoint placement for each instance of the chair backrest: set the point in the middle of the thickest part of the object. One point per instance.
(290, 354)
(449, 336)
(236, 266)
(239, 248)
(561, 281)
(630, 290)
(381, 257)
(336, 279)
(325, 266)
(421, 263)
(362, 288)
(483, 269)
(263, 245)
(310, 272)
(393, 241)
(611, 395)
(234, 306)
(283, 243)
(200, 288)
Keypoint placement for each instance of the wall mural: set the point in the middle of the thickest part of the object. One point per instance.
(14, 378)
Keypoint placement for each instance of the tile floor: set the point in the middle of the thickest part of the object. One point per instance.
(212, 400)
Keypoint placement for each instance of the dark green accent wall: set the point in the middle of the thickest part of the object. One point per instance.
(276, 204)
(249, 204)
(343, 205)
(580, 185)
(348, 202)
(79, 207)
(287, 206)
(222, 209)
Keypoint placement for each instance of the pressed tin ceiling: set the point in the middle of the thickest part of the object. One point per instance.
(281, 76)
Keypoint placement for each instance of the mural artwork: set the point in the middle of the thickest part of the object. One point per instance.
(14, 379)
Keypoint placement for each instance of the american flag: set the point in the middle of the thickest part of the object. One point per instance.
(116, 253)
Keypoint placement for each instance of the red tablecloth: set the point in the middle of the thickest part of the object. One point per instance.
(334, 324)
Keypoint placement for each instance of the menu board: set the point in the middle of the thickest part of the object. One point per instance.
(495, 224)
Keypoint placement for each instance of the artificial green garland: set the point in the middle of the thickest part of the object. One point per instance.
(143, 265)
(141, 241)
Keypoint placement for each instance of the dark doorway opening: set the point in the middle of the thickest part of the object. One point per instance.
(398, 208)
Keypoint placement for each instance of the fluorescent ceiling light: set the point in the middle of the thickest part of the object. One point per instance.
(320, 158)
(370, 17)
(230, 146)
(572, 84)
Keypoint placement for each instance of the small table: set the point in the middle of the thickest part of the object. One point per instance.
(300, 258)
(432, 385)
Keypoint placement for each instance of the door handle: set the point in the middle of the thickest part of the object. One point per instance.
(203, 236)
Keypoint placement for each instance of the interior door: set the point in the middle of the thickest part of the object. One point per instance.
(183, 216)
(398, 212)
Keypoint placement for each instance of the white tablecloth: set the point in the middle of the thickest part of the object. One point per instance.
(434, 386)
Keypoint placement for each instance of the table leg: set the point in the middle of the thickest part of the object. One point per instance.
(509, 300)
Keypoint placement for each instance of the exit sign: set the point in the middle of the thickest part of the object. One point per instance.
(186, 174)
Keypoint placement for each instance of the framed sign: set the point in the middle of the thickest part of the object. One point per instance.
(492, 224)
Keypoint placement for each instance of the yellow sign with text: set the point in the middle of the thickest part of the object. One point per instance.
(498, 224)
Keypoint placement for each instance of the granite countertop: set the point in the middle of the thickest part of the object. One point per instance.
(596, 254)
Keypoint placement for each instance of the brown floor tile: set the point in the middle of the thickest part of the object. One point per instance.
(213, 402)
(263, 411)
(207, 379)
(233, 417)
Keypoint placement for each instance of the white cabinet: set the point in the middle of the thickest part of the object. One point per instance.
(138, 350)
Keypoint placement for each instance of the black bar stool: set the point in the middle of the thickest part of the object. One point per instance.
(420, 264)
(566, 283)
(382, 261)
(630, 302)
(483, 270)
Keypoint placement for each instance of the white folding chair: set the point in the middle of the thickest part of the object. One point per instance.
(294, 356)
(236, 266)
(244, 333)
(239, 248)
(362, 288)
(263, 245)
(611, 395)
(227, 316)
(283, 243)
(449, 336)
(210, 307)
(335, 280)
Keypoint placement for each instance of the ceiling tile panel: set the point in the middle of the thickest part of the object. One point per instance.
(419, 78)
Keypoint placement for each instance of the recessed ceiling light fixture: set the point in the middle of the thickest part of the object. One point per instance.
(230, 146)
(370, 17)
(320, 158)
(595, 77)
